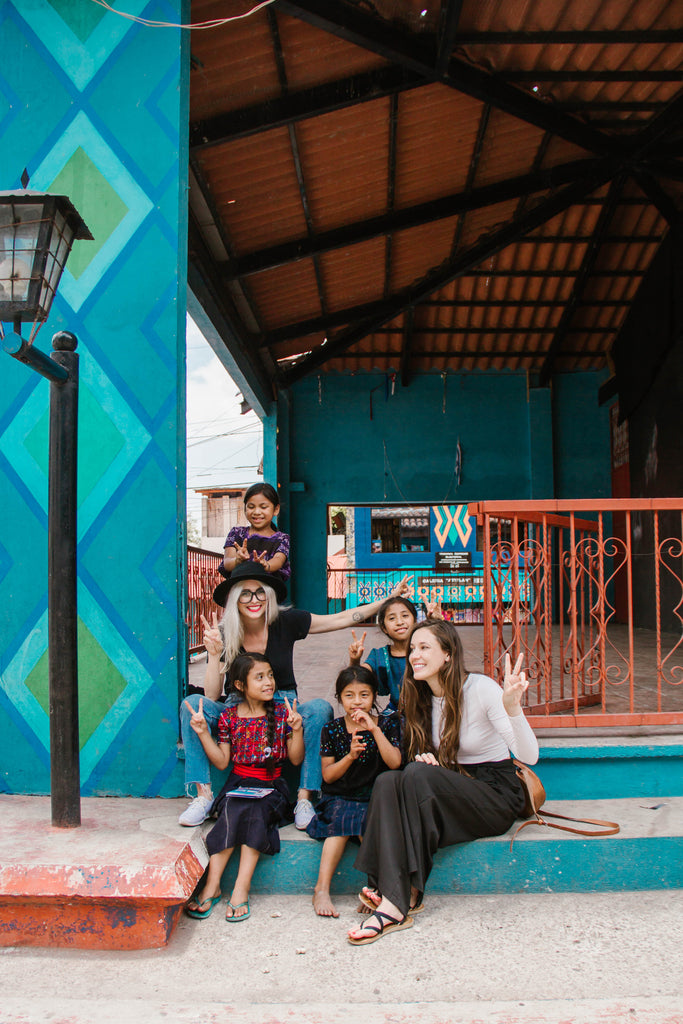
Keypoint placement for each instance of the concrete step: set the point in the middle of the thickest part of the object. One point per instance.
(122, 879)
(646, 854)
(592, 768)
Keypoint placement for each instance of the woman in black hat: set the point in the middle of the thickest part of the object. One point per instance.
(253, 621)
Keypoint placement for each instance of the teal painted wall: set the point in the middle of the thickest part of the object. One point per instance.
(516, 444)
(96, 106)
(583, 466)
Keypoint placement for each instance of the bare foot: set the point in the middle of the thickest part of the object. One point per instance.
(323, 905)
(362, 908)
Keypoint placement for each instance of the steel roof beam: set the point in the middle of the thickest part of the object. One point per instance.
(298, 105)
(585, 271)
(459, 265)
(578, 37)
(412, 216)
(657, 196)
(544, 75)
(448, 31)
(418, 53)
(342, 317)
(294, 146)
(249, 371)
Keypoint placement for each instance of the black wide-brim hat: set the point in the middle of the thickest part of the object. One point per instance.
(249, 571)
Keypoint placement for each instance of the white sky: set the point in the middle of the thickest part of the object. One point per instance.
(223, 447)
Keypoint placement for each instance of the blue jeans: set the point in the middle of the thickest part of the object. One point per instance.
(315, 714)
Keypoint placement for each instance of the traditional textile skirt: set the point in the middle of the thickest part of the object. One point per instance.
(337, 816)
(423, 808)
(247, 822)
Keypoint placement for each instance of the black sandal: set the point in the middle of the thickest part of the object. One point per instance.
(370, 900)
(385, 924)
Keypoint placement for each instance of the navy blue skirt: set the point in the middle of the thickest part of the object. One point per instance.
(336, 816)
(253, 823)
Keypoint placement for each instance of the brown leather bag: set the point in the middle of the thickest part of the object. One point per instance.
(534, 798)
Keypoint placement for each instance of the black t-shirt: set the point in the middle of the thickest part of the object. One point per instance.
(356, 782)
(290, 625)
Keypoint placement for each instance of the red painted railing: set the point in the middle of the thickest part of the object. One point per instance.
(594, 602)
(202, 578)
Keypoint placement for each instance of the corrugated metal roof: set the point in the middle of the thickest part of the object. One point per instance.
(433, 187)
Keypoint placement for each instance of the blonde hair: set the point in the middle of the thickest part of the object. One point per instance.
(231, 626)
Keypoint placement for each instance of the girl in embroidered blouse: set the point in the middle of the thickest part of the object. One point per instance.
(258, 735)
(354, 750)
(459, 783)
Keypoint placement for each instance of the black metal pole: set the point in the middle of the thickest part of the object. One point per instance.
(61, 595)
(15, 346)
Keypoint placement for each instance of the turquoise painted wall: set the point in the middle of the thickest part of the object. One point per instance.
(96, 106)
(516, 444)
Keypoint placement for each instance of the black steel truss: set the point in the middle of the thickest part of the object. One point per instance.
(419, 53)
(409, 217)
(453, 268)
(650, 152)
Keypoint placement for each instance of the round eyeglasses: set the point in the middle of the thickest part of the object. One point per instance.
(246, 596)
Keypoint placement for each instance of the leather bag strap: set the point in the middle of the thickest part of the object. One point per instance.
(607, 828)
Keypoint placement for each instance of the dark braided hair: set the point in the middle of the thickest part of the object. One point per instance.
(238, 673)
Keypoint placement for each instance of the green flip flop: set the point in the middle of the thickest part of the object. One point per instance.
(200, 914)
(236, 920)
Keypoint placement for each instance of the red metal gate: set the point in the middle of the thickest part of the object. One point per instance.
(565, 575)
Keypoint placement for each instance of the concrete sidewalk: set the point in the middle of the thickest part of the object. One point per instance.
(546, 959)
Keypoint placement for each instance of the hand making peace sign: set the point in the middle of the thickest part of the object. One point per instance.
(356, 648)
(294, 720)
(515, 685)
(212, 639)
(197, 721)
(241, 553)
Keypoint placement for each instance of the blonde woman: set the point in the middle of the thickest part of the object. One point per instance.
(254, 621)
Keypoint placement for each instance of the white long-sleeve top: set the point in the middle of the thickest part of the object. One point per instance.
(487, 732)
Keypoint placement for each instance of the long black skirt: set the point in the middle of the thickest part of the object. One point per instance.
(423, 808)
(246, 822)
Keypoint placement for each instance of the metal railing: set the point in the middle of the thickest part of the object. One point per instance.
(461, 592)
(594, 604)
(202, 578)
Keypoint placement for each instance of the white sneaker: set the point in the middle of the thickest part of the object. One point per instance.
(197, 812)
(303, 813)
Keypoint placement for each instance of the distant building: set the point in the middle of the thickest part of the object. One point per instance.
(222, 508)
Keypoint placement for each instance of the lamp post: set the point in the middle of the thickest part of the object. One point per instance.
(37, 231)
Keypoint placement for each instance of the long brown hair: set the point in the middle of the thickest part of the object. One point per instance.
(416, 698)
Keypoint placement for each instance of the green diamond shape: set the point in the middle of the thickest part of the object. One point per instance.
(100, 683)
(99, 205)
(81, 18)
(99, 442)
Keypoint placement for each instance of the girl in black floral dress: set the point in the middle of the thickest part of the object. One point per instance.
(354, 749)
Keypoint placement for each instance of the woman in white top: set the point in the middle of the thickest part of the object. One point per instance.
(459, 782)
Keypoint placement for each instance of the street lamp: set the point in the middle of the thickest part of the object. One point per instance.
(37, 231)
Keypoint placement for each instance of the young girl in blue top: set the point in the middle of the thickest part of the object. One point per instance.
(396, 618)
(354, 750)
